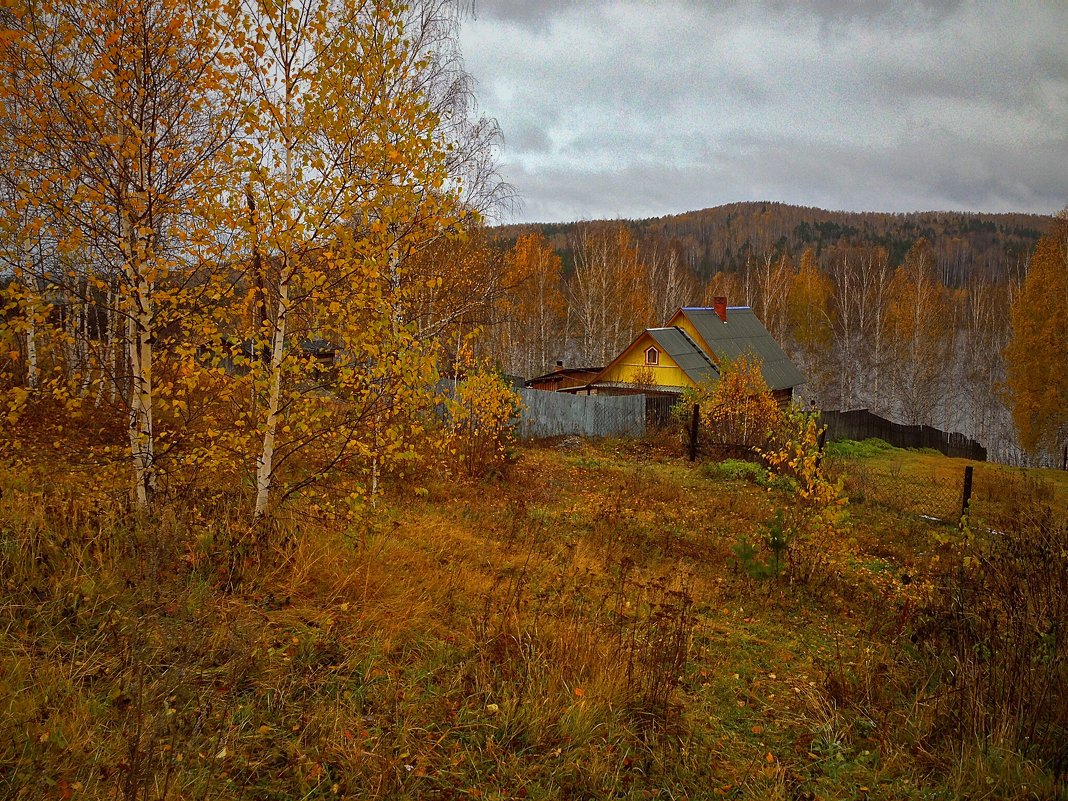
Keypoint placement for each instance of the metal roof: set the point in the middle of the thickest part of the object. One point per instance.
(744, 333)
(687, 354)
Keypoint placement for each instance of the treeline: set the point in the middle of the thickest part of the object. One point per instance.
(908, 339)
(724, 238)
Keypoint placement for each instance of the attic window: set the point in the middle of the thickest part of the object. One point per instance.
(652, 356)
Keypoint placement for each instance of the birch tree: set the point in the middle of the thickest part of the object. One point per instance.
(534, 308)
(606, 291)
(770, 278)
(919, 326)
(347, 165)
(873, 276)
(121, 120)
(669, 284)
(808, 307)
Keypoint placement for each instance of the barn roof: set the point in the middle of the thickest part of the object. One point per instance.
(744, 333)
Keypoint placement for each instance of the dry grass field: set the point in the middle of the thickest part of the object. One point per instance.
(597, 621)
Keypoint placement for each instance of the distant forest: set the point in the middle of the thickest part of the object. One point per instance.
(724, 238)
(909, 315)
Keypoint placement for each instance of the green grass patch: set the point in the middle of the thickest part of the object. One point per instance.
(741, 470)
(735, 470)
(862, 449)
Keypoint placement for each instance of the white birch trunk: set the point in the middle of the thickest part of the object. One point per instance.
(84, 355)
(374, 458)
(33, 371)
(265, 463)
(32, 368)
(139, 347)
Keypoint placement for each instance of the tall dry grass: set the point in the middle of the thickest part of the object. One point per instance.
(183, 656)
(573, 629)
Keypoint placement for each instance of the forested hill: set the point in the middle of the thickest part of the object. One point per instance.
(722, 238)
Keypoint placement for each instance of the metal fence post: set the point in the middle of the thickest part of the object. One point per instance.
(695, 424)
(967, 495)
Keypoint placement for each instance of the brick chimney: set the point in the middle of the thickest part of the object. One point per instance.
(719, 303)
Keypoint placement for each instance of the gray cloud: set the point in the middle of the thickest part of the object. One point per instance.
(638, 109)
(523, 12)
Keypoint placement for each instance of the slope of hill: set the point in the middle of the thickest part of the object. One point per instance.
(722, 238)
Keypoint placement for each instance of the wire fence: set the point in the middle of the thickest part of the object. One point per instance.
(930, 493)
(992, 495)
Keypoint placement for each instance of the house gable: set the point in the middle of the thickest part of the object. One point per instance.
(679, 362)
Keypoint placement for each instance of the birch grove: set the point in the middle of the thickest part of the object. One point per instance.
(119, 118)
(216, 219)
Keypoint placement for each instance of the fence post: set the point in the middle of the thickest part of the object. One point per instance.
(820, 441)
(1064, 463)
(967, 495)
(695, 424)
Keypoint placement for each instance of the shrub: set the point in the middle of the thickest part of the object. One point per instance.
(854, 449)
(479, 422)
(785, 484)
(793, 455)
(741, 470)
(738, 412)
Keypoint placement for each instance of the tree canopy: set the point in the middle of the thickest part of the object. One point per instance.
(1037, 356)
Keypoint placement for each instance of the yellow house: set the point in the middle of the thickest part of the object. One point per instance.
(660, 359)
(686, 351)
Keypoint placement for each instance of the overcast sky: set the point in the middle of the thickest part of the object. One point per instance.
(640, 109)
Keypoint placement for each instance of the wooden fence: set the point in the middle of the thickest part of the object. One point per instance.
(658, 410)
(552, 414)
(861, 424)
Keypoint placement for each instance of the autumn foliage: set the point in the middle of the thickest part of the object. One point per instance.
(480, 419)
(200, 245)
(1037, 355)
(737, 410)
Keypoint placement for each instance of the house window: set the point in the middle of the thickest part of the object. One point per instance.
(652, 356)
